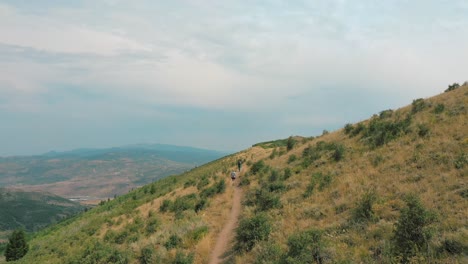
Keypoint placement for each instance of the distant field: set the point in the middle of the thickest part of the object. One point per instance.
(100, 173)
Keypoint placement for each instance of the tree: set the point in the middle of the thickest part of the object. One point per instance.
(17, 246)
(290, 143)
(411, 234)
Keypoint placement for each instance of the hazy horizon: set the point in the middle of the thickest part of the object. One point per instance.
(215, 75)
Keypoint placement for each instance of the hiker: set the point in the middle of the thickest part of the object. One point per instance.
(239, 164)
(233, 175)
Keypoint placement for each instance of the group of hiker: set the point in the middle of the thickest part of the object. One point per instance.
(239, 167)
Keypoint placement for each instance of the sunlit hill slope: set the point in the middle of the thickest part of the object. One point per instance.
(390, 189)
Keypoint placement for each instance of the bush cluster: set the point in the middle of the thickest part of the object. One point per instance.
(379, 132)
(318, 179)
(252, 230)
(452, 87)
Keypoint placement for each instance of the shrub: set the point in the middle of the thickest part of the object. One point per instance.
(452, 87)
(439, 108)
(290, 143)
(181, 258)
(265, 200)
(292, 158)
(17, 246)
(146, 255)
(319, 179)
(453, 246)
(152, 226)
(386, 114)
(268, 253)
(359, 128)
(338, 154)
(305, 247)
(173, 242)
(250, 231)
(423, 130)
(165, 206)
(363, 211)
(274, 176)
(204, 181)
(202, 204)
(257, 167)
(411, 234)
(198, 233)
(461, 160)
(418, 105)
(287, 173)
(220, 186)
(380, 132)
(348, 129)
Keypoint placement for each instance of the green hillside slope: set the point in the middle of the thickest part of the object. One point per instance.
(389, 189)
(33, 210)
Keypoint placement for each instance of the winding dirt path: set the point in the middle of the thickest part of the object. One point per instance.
(227, 233)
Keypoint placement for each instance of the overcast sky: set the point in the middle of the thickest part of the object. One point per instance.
(215, 74)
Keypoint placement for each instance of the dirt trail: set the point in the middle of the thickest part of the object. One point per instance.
(227, 233)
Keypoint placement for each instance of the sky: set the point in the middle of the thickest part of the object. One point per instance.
(215, 74)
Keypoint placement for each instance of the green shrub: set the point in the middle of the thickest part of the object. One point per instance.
(173, 242)
(268, 253)
(338, 154)
(292, 158)
(121, 237)
(204, 181)
(411, 235)
(386, 114)
(380, 132)
(250, 231)
(183, 203)
(198, 233)
(275, 187)
(244, 181)
(320, 179)
(359, 128)
(146, 255)
(454, 247)
(274, 176)
(257, 167)
(17, 246)
(202, 204)
(348, 129)
(452, 87)
(265, 200)
(152, 225)
(182, 258)
(461, 160)
(423, 130)
(290, 143)
(287, 173)
(418, 105)
(165, 205)
(363, 211)
(439, 108)
(305, 247)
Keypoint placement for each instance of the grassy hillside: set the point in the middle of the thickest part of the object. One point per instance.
(100, 173)
(33, 210)
(390, 189)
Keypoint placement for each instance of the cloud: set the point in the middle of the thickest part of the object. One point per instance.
(50, 35)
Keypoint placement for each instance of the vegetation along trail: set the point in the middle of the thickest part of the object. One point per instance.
(226, 234)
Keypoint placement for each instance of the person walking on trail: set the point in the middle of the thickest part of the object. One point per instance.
(233, 175)
(239, 164)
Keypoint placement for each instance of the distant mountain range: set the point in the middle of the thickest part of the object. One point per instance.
(100, 173)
